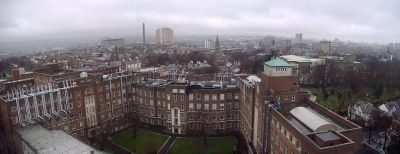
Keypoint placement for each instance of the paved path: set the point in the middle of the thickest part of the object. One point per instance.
(165, 148)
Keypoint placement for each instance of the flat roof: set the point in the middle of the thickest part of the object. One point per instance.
(55, 141)
(294, 58)
(327, 136)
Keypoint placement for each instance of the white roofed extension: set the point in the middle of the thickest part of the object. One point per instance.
(295, 58)
(43, 141)
(253, 78)
(311, 120)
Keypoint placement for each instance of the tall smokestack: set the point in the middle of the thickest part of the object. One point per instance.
(144, 35)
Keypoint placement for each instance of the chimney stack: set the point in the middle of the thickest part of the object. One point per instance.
(144, 35)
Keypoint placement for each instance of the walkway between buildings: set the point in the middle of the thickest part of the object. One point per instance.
(165, 148)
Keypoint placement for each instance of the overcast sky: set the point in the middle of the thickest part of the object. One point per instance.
(358, 20)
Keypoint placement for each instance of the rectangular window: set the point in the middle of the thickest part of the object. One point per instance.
(175, 112)
(214, 106)
(236, 105)
(206, 106)
(168, 97)
(182, 91)
(174, 90)
(221, 97)
(222, 106)
(199, 106)
(206, 97)
(190, 97)
(236, 95)
(198, 96)
(228, 106)
(176, 121)
(191, 106)
(214, 97)
(229, 96)
(293, 98)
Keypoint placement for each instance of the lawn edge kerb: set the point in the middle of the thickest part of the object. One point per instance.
(198, 137)
(167, 136)
(112, 142)
(169, 148)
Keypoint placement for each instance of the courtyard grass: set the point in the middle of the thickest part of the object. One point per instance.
(143, 143)
(195, 145)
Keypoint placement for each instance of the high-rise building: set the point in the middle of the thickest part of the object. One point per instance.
(325, 46)
(207, 44)
(164, 35)
(298, 38)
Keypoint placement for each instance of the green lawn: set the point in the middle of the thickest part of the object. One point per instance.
(145, 141)
(195, 145)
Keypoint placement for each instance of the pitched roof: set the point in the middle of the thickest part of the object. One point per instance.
(277, 62)
(365, 106)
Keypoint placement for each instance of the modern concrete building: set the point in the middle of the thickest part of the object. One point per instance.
(325, 46)
(298, 38)
(164, 35)
(208, 44)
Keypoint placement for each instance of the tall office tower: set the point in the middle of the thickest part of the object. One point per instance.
(298, 38)
(325, 46)
(144, 35)
(207, 44)
(164, 35)
(396, 47)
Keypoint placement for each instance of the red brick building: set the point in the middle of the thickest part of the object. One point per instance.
(262, 109)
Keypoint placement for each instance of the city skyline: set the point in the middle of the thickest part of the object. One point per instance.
(369, 21)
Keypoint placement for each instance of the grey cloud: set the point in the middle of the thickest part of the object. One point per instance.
(367, 20)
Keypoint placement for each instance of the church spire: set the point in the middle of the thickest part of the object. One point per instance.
(114, 55)
(217, 47)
